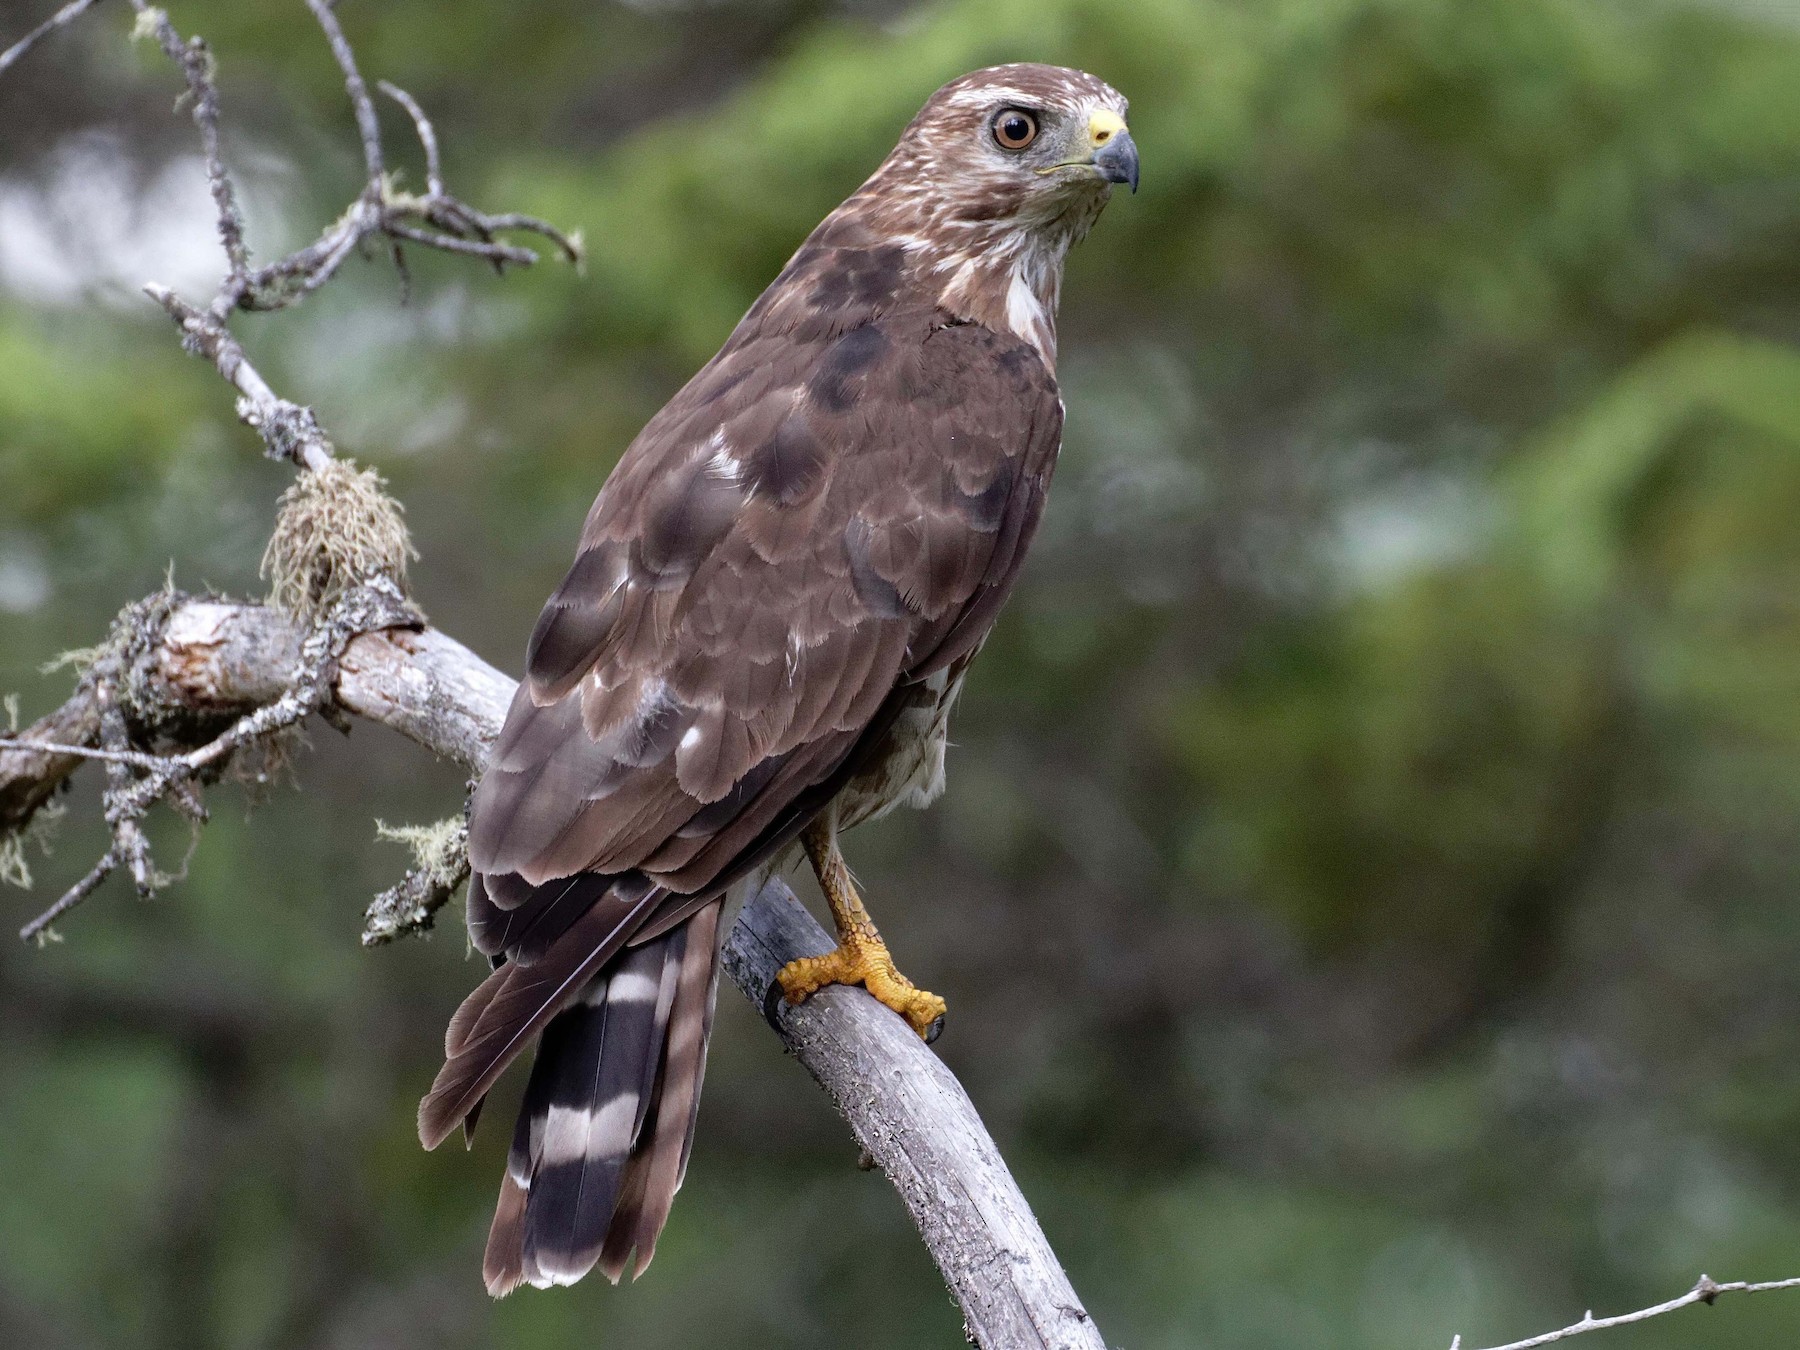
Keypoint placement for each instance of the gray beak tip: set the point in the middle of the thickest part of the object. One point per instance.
(1117, 160)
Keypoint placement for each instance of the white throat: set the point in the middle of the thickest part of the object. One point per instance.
(1012, 287)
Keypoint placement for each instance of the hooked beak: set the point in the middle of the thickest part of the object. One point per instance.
(1115, 153)
(1117, 160)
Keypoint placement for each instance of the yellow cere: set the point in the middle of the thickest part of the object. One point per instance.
(1103, 126)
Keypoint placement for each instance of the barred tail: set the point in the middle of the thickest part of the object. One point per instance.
(603, 1135)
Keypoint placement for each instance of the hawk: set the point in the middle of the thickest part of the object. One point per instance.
(775, 599)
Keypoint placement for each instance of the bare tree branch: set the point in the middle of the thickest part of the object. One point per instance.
(39, 928)
(135, 758)
(196, 63)
(367, 124)
(288, 430)
(434, 170)
(436, 220)
(61, 19)
(1706, 1290)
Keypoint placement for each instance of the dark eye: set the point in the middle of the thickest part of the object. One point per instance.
(1015, 129)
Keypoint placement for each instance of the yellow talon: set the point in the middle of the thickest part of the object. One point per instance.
(861, 956)
(865, 961)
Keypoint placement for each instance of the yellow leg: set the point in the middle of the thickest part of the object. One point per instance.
(861, 956)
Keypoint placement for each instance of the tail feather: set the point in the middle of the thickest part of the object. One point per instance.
(608, 1116)
(516, 1001)
(600, 1060)
(508, 915)
(463, 1020)
(658, 1167)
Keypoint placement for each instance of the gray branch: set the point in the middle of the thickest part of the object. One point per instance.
(61, 19)
(381, 211)
(913, 1118)
(905, 1108)
(1706, 1290)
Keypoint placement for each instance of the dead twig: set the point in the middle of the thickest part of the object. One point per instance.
(288, 430)
(61, 19)
(197, 68)
(1706, 1290)
(367, 124)
(39, 930)
(136, 758)
(434, 170)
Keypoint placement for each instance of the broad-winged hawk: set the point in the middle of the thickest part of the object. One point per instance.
(775, 599)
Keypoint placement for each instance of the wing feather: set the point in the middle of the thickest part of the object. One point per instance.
(807, 526)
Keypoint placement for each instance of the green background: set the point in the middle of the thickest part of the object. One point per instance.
(1366, 894)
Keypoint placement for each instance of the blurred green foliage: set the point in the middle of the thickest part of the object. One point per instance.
(1366, 889)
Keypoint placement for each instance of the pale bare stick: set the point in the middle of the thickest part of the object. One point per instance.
(61, 19)
(136, 758)
(1706, 1290)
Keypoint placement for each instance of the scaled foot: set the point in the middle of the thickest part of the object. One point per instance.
(864, 959)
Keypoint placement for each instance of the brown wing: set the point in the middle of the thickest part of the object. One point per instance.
(821, 515)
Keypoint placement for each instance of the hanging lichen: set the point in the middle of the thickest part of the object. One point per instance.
(337, 528)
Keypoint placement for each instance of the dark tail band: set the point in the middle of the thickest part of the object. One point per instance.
(608, 1118)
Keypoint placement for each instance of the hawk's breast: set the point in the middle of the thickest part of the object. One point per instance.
(907, 769)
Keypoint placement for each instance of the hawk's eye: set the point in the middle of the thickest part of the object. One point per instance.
(1015, 129)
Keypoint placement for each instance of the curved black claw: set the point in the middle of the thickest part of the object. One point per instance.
(935, 1030)
(771, 1004)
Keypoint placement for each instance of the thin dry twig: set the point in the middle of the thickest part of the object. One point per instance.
(197, 68)
(434, 170)
(39, 930)
(1706, 1290)
(127, 829)
(289, 431)
(61, 19)
(367, 124)
(136, 758)
(436, 220)
(492, 250)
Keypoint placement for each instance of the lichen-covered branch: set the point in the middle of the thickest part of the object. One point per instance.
(440, 866)
(121, 694)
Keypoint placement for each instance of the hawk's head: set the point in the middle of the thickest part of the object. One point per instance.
(999, 174)
(1027, 141)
